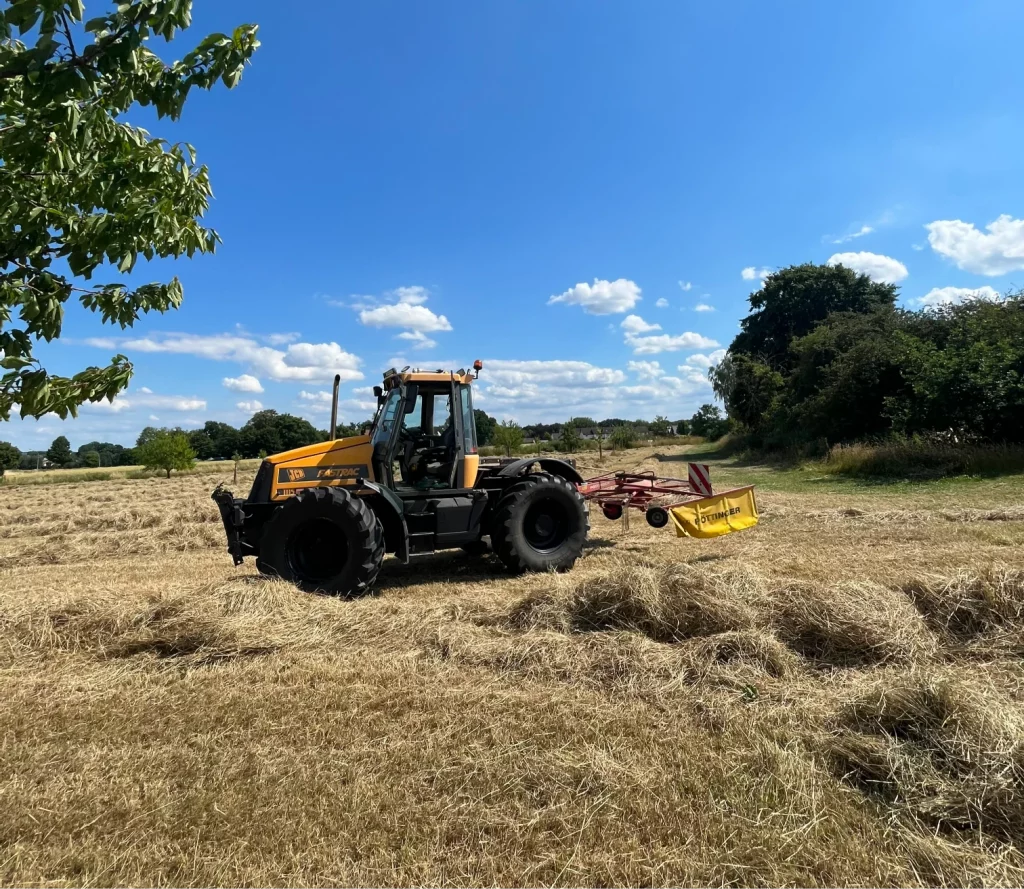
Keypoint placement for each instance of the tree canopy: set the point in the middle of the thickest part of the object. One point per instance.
(865, 369)
(166, 450)
(82, 190)
(10, 457)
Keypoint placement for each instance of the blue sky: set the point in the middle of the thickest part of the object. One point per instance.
(539, 184)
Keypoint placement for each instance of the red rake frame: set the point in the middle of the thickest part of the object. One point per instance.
(654, 495)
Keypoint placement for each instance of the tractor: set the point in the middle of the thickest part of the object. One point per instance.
(323, 516)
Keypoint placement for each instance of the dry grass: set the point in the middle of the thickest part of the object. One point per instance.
(833, 698)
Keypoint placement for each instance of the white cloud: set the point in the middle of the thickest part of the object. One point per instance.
(685, 285)
(752, 273)
(703, 307)
(418, 338)
(408, 315)
(154, 418)
(243, 383)
(996, 253)
(300, 362)
(944, 296)
(601, 297)
(653, 345)
(145, 398)
(646, 370)
(317, 397)
(555, 390)
(249, 407)
(703, 361)
(863, 230)
(918, 247)
(879, 268)
(145, 390)
(661, 303)
(281, 339)
(636, 324)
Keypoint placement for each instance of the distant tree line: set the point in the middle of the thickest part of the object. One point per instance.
(825, 355)
(268, 432)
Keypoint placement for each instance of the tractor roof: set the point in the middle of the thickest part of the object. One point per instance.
(393, 377)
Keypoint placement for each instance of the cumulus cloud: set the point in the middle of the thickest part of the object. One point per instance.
(703, 361)
(636, 324)
(863, 230)
(409, 312)
(281, 339)
(555, 390)
(645, 370)
(752, 273)
(944, 296)
(146, 399)
(418, 338)
(655, 344)
(879, 268)
(243, 383)
(299, 362)
(249, 407)
(996, 253)
(601, 297)
(661, 303)
(703, 307)
(685, 285)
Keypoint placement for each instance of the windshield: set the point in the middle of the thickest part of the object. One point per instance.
(385, 421)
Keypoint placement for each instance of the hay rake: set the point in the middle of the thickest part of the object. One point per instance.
(654, 495)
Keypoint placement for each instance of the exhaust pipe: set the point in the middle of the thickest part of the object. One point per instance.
(334, 407)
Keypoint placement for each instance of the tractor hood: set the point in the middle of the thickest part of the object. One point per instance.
(328, 463)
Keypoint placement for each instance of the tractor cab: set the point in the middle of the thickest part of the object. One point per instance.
(423, 435)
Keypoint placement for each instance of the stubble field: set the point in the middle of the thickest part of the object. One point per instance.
(834, 697)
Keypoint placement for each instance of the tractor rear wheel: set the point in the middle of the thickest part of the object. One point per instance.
(540, 525)
(324, 540)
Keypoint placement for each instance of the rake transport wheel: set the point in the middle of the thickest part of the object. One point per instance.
(324, 540)
(540, 525)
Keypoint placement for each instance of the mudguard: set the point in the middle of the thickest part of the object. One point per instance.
(547, 464)
(389, 508)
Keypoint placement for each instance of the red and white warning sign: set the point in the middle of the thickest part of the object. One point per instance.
(700, 478)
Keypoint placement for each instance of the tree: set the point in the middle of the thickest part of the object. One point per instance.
(660, 427)
(167, 450)
(91, 458)
(508, 435)
(10, 457)
(683, 427)
(622, 437)
(571, 436)
(271, 432)
(792, 301)
(485, 424)
(214, 440)
(59, 452)
(80, 186)
(709, 423)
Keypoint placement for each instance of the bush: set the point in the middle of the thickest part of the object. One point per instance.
(923, 458)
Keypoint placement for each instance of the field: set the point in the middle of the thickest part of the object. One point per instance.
(834, 697)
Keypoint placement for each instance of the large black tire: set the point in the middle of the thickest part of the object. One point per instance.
(324, 540)
(540, 524)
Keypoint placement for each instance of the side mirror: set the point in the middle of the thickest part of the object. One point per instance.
(378, 391)
(412, 391)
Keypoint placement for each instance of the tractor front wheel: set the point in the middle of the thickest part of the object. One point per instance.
(324, 540)
(540, 526)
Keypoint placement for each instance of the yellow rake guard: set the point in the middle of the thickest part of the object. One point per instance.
(714, 516)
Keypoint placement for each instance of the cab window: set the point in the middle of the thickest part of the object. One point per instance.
(386, 418)
(468, 420)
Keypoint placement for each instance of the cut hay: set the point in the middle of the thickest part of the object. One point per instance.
(945, 751)
(849, 625)
(983, 608)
